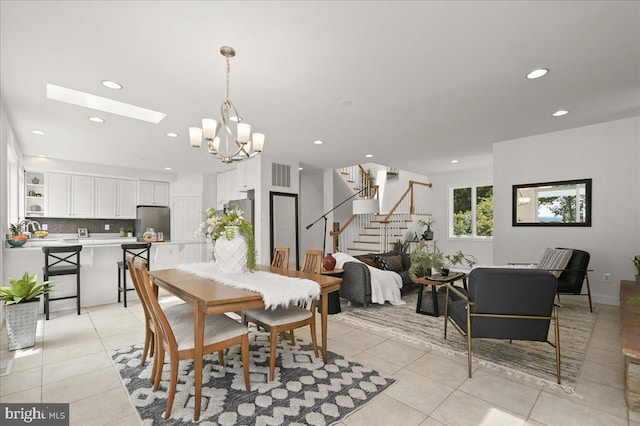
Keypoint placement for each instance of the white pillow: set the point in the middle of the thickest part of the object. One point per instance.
(555, 260)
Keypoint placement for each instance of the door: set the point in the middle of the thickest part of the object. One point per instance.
(283, 213)
(187, 215)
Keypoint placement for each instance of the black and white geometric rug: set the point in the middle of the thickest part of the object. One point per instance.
(305, 390)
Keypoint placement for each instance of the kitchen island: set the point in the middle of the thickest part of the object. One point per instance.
(98, 259)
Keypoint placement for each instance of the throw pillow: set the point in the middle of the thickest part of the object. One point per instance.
(369, 262)
(390, 263)
(555, 260)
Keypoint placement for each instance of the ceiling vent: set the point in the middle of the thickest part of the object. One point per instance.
(281, 175)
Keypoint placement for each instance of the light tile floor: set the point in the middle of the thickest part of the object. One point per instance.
(71, 363)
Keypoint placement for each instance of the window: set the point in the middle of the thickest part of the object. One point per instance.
(471, 212)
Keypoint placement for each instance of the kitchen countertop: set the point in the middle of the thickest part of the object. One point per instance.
(95, 240)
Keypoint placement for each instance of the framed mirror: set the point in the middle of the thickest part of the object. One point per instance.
(283, 211)
(561, 203)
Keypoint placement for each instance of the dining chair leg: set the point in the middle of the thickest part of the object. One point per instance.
(314, 338)
(245, 360)
(172, 385)
(159, 368)
(273, 353)
(147, 341)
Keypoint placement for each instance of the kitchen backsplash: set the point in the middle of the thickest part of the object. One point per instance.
(70, 226)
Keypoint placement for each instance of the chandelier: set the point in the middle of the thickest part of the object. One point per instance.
(237, 145)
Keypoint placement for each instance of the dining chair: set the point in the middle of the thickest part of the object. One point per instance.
(138, 251)
(149, 325)
(281, 258)
(175, 335)
(312, 262)
(279, 320)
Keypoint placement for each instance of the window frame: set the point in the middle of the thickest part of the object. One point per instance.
(474, 219)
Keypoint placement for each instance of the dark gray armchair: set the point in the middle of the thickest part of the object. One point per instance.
(575, 274)
(504, 303)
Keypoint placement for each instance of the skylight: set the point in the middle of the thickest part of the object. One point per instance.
(75, 97)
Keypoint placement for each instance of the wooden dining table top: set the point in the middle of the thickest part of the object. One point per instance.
(209, 292)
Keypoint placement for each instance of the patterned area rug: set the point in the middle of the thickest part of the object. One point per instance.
(305, 390)
(529, 360)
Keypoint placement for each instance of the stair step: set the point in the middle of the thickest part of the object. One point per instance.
(351, 181)
(369, 235)
(366, 242)
(344, 173)
(358, 249)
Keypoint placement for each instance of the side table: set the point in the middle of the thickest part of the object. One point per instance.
(333, 299)
(434, 281)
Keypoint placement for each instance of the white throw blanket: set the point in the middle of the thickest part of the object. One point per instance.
(276, 290)
(385, 285)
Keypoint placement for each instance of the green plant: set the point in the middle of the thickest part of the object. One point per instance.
(220, 223)
(458, 258)
(400, 247)
(24, 290)
(425, 258)
(427, 222)
(130, 229)
(636, 263)
(16, 228)
(635, 301)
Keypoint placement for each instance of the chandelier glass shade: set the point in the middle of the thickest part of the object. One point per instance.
(238, 143)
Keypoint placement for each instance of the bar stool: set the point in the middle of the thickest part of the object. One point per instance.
(61, 260)
(138, 251)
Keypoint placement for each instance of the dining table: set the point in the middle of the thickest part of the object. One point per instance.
(210, 297)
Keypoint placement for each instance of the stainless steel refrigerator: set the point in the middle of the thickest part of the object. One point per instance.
(155, 217)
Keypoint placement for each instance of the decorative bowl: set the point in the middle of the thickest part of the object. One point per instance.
(41, 234)
(16, 243)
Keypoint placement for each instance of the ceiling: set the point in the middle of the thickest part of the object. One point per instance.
(416, 84)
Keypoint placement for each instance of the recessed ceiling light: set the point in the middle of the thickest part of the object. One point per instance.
(167, 168)
(537, 73)
(98, 103)
(560, 113)
(96, 119)
(172, 135)
(369, 155)
(300, 168)
(235, 118)
(455, 161)
(318, 142)
(112, 84)
(41, 156)
(38, 132)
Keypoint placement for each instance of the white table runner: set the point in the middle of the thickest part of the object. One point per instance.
(276, 290)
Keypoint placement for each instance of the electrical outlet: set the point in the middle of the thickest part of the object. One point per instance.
(606, 277)
(106, 227)
(45, 227)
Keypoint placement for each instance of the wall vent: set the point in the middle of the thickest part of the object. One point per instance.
(281, 175)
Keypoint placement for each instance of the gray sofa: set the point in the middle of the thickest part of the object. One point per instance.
(356, 279)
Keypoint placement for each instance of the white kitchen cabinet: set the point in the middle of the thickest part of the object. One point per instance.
(58, 193)
(106, 197)
(70, 195)
(82, 196)
(153, 193)
(126, 207)
(115, 198)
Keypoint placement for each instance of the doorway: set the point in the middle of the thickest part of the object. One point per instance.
(283, 214)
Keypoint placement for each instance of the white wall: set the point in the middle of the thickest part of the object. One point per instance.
(609, 154)
(481, 249)
(311, 205)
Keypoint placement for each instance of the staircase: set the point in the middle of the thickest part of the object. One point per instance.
(370, 240)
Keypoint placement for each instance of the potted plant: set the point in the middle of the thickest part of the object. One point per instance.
(21, 302)
(400, 247)
(428, 234)
(425, 259)
(223, 227)
(130, 231)
(636, 263)
(16, 238)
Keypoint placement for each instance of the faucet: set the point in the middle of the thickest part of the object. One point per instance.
(33, 225)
